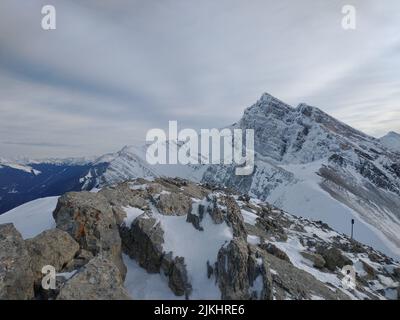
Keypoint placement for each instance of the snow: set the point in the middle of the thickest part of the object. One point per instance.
(131, 214)
(249, 217)
(142, 285)
(391, 141)
(306, 198)
(21, 167)
(197, 247)
(33, 217)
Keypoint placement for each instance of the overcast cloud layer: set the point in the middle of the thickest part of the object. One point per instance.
(114, 69)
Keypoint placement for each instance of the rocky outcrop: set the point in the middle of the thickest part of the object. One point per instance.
(292, 283)
(100, 279)
(334, 258)
(52, 247)
(173, 204)
(143, 242)
(317, 260)
(238, 270)
(275, 251)
(175, 270)
(16, 277)
(89, 219)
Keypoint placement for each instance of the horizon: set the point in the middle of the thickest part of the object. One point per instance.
(22, 158)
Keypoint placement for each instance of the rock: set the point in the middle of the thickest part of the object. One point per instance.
(195, 218)
(368, 269)
(317, 260)
(89, 219)
(51, 247)
(274, 250)
(291, 283)
(238, 270)
(16, 277)
(100, 279)
(79, 261)
(234, 218)
(178, 278)
(143, 242)
(215, 209)
(173, 204)
(396, 273)
(335, 259)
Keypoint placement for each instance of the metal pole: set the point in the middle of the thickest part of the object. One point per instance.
(352, 224)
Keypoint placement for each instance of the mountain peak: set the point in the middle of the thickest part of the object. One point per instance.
(391, 141)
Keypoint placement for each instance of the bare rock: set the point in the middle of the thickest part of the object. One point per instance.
(100, 279)
(51, 247)
(317, 260)
(274, 250)
(143, 242)
(240, 275)
(335, 259)
(173, 204)
(89, 219)
(16, 277)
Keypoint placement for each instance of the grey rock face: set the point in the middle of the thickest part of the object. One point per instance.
(143, 242)
(335, 259)
(292, 283)
(52, 247)
(89, 219)
(238, 270)
(174, 204)
(16, 277)
(177, 277)
(100, 279)
(275, 251)
(317, 260)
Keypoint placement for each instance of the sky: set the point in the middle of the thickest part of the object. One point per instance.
(112, 70)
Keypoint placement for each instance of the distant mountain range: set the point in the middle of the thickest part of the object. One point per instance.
(307, 163)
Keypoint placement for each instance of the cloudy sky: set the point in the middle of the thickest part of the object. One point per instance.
(114, 69)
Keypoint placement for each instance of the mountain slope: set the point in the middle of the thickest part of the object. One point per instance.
(272, 254)
(306, 162)
(315, 166)
(391, 141)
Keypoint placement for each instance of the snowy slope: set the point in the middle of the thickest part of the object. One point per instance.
(391, 141)
(33, 217)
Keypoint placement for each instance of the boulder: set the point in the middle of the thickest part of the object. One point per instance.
(173, 204)
(100, 279)
(51, 247)
(178, 279)
(317, 260)
(89, 219)
(16, 277)
(143, 242)
(274, 250)
(240, 274)
(335, 259)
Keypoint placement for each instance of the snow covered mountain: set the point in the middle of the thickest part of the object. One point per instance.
(391, 141)
(306, 162)
(25, 180)
(315, 166)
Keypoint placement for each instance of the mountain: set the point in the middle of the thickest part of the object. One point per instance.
(25, 180)
(169, 238)
(391, 141)
(306, 162)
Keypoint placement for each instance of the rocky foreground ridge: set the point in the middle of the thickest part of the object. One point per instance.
(205, 242)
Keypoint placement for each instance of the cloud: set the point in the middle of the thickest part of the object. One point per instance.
(113, 70)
